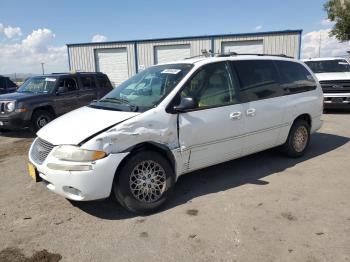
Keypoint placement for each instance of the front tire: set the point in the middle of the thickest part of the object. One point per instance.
(144, 182)
(40, 118)
(298, 139)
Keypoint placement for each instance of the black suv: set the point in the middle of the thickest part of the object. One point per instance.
(42, 98)
(6, 85)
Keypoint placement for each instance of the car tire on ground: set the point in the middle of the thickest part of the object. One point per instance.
(298, 139)
(144, 182)
(40, 118)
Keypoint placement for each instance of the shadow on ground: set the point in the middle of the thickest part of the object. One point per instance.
(248, 170)
(23, 133)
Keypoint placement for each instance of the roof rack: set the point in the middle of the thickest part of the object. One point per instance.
(237, 54)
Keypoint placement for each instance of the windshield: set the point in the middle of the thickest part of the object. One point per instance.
(146, 89)
(329, 66)
(38, 85)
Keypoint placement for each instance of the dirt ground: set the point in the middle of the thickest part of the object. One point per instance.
(263, 207)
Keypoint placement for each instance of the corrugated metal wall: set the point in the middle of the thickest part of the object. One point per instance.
(82, 56)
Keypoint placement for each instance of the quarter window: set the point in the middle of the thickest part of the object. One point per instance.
(258, 80)
(211, 86)
(295, 78)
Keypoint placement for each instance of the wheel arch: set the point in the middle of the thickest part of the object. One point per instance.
(153, 146)
(305, 117)
(48, 108)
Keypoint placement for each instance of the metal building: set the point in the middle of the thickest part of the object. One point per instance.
(122, 59)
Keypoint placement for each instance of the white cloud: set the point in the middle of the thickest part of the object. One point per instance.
(99, 38)
(327, 22)
(258, 27)
(11, 32)
(1, 28)
(329, 45)
(25, 56)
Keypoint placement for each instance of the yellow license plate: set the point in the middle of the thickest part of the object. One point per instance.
(32, 172)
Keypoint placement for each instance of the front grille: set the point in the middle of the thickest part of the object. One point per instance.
(335, 86)
(40, 150)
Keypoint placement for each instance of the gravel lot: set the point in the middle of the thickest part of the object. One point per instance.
(264, 207)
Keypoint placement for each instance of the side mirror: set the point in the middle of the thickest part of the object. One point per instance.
(61, 90)
(186, 103)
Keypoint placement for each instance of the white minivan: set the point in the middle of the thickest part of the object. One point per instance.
(174, 118)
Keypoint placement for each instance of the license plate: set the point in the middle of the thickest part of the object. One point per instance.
(337, 100)
(32, 172)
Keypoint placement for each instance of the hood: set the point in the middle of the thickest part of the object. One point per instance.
(72, 128)
(333, 76)
(16, 96)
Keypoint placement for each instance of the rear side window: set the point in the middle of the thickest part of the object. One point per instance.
(295, 78)
(258, 79)
(88, 82)
(103, 82)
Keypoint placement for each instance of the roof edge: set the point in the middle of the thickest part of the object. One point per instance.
(298, 31)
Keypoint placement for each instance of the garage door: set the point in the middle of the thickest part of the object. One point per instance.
(169, 53)
(114, 63)
(243, 47)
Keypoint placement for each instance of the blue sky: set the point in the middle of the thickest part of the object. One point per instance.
(46, 26)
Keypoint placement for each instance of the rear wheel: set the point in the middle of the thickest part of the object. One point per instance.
(40, 118)
(298, 139)
(144, 182)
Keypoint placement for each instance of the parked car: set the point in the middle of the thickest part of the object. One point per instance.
(42, 98)
(334, 76)
(174, 118)
(6, 85)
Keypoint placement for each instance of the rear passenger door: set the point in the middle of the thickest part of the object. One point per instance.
(88, 90)
(212, 132)
(263, 106)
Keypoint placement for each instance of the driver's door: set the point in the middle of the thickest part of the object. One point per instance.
(212, 132)
(68, 100)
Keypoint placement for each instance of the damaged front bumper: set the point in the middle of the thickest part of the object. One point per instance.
(79, 181)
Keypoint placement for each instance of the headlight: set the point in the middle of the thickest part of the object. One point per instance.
(10, 106)
(74, 153)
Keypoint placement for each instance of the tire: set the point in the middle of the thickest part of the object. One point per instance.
(139, 192)
(40, 118)
(298, 139)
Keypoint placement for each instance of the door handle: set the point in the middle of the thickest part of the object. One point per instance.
(236, 115)
(251, 112)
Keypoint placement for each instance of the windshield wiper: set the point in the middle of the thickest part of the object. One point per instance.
(120, 101)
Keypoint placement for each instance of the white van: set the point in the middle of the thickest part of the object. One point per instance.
(174, 118)
(334, 76)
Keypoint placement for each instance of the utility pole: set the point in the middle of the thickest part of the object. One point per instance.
(42, 67)
(319, 45)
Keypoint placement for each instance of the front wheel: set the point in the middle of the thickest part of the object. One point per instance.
(298, 139)
(40, 118)
(144, 182)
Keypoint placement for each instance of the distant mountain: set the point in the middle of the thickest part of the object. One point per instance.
(15, 76)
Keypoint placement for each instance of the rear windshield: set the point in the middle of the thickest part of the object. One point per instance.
(329, 66)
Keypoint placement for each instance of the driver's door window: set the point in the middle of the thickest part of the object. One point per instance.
(211, 87)
(69, 84)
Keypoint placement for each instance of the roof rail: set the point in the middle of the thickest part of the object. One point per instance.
(237, 54)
